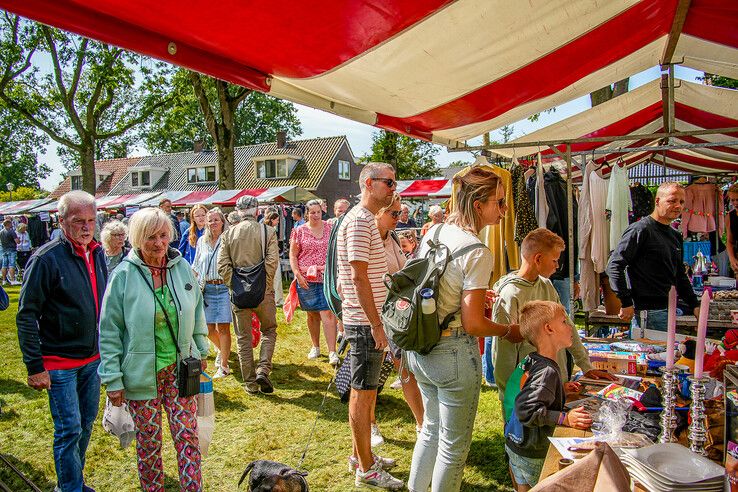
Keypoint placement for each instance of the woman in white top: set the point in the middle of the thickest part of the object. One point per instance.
(215, 293)
(387, 219)
(24, 246)
(450, 376)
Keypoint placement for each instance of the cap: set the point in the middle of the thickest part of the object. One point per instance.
(246, 202)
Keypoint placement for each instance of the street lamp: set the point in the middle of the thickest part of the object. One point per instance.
(10, 189)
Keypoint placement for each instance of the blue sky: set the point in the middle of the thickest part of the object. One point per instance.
(317, 123)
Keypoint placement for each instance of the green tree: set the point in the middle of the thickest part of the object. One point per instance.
(411, 158)
(88, 99)
(19, 145)
(23, 193)
(220, 114)
(719, 81)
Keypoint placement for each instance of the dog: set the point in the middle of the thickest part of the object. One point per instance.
(270, 476)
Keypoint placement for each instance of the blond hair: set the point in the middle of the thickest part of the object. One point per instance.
(733, 189)
(192, 238)
(533, 317)
(110, 228)
(208, 234)
(395, 198)
(147, 222)
(540, 240)
(478, 185)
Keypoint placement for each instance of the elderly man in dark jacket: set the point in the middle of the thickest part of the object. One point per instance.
(57, 321)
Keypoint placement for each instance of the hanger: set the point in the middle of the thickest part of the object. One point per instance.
(480, 161)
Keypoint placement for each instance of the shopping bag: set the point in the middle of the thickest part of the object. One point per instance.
(255, 330)
(119, 422)
(205, 413)
(291, 302)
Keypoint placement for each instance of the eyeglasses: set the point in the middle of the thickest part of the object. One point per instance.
(119, 234)
(396, 214)
(391, 183)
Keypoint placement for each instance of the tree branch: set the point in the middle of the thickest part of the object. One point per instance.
(99, 86)
(14, 105)
(78, 68)
(240, 96)
(66, 102)
(145, 113)
(202, 99)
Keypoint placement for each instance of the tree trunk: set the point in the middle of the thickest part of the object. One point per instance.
(87, 165)
(226, 167)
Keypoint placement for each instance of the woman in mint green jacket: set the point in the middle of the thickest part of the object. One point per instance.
(152, 306)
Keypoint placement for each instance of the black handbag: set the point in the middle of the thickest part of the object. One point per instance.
(248, 284)
(189, 369)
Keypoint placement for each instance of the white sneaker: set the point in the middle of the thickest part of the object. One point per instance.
(217, 358)
(314, 353)
(333, 359)
(377, 438)
(14, 282)
(220, 373)
(384, 463)
(397, 383)
(375, 477)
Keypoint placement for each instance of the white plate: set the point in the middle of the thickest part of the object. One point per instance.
(676, 463)
(656, 482)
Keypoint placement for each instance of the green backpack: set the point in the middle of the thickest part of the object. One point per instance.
(404, 321)
(330, 274)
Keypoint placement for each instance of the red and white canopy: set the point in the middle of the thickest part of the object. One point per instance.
(422, 188)
(441, 70)
(228, 198)
(640, 111)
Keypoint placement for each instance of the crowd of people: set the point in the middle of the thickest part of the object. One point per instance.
(77, 330)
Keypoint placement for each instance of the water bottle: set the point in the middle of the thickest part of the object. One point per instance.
(427, 304)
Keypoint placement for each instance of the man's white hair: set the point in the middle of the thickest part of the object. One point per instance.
(73, 200)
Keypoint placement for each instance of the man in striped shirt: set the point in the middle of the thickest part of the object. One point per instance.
(361, 268)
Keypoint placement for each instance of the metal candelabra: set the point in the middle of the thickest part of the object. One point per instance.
(697, 428)
(668, 414)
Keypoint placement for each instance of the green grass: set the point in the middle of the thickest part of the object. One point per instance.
(274, 427)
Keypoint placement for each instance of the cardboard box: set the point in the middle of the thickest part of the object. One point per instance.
(615, 362)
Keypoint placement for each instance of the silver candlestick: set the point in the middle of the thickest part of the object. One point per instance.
(668, 414)
(698, 428)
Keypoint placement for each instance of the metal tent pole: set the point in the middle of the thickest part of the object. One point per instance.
(570, 217)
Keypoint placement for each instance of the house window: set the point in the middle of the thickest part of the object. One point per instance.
(134, 179)
(201, 174)
(272, 168)
(344, 171)
(145, 178)
(76, 182)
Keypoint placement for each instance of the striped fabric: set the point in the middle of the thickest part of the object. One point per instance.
(440, 70)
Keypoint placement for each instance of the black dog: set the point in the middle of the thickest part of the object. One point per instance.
(271, 476)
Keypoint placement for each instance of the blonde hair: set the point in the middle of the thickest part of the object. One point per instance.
(540, 241)
(109, 229)
(395, 198)
(733, 189)
(479, 184)
(208, 234)
(146, 222)
(408, 234)
(22, 227)
(192, 238)
(534, 315)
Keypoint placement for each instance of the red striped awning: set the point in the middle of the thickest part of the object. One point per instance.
(422, 188)
(193, 198)
(231, 202)
(440, 70)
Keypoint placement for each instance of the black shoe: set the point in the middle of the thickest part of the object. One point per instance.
(263, 381)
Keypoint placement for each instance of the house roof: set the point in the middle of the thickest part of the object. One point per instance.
(118, 169)
(316, 154)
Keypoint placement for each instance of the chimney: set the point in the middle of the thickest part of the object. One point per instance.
(281, 139)
(198, 146)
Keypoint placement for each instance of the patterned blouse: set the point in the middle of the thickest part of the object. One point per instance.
(313, 250)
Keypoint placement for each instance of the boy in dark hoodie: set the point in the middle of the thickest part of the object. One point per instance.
(539, 407)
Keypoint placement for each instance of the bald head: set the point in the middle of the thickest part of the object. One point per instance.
(669, 202)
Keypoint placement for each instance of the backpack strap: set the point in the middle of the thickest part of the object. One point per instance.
(458, 254)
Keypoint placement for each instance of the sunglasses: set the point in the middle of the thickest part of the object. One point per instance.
(395, 214)
(391, 183)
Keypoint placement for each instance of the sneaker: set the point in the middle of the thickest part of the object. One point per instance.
(218, 359)
(14, 282)
(221, 373)
(397, 384)
(375, 477)
(251, 388)
(377, 438)
(384, 463)
(264, 383)
(333, 359)
(314, 353)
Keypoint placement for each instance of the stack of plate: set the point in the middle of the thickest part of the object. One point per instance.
(672, 467)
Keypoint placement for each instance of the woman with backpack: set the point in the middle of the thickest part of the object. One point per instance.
(450, 375)
(308, 251)
(387, 219)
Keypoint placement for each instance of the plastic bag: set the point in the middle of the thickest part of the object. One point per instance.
(255, 330)
(612, 417)
(291, 302)
(119, 422)
(205, 413)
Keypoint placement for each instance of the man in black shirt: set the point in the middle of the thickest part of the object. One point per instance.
(406, 222)
(648, 261)
(9, 242)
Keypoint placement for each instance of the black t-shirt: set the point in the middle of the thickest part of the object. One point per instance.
(7, 239)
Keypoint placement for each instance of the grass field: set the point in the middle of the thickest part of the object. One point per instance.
(272, 427)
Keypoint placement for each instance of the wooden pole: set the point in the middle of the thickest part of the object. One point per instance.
(570, 217)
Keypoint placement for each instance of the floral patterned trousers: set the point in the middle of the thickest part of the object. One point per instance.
(182, 416)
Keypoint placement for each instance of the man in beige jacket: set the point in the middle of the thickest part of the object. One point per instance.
(243, 246)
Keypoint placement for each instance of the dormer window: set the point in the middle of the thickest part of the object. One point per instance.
(145, 177)
(141, 179)
(205, 174)
(76, 182)
(275, 167)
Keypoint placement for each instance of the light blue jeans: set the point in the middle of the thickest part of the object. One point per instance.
(450, 381)
(488, 367)
(563, 288)
(657, 319)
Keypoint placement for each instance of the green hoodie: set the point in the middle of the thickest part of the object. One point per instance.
(512, 294)
(127, 344)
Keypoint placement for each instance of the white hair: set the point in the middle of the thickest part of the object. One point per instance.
(110, 228)
(434, 209)
(73, 200)
(147, 222)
